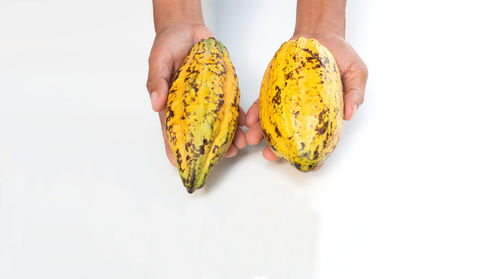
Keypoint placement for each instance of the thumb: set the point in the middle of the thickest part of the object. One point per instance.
(354, 91)
(157, 84)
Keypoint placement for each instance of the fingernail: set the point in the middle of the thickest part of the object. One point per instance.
(154, 97)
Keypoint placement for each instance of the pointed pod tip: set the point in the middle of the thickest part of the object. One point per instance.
(305, 167)
(191, 188)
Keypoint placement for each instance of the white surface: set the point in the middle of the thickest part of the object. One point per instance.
(412, 190)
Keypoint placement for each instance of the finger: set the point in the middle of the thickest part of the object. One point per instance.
(158, 89)
(254, 134)
(318, 167)
(354, 88)
(241, 117)
(231, 152)
(269, 155)
(160, 69)
(158, 95)
(352, 101)
(239, 139)
(170, 154)
(253, 114)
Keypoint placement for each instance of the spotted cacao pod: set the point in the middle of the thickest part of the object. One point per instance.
(301, 103)
(202, 111)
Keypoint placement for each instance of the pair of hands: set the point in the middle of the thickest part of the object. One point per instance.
(173, 43)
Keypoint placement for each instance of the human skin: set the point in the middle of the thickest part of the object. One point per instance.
(323, 20)
(179, 25)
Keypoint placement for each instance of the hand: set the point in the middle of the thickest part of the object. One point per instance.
(354, 76)
(172, 44)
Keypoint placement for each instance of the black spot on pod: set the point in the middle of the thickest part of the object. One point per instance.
(235, 100)
(202, 150)
(316, 153)
(278, 133)
(322, 129)
(302, 146)
(267, 137)
(178, 156)
(216, 147)
(325, 61)
(192, 178)
(219, 105)
(321, 115)
(170, 112)
(297, 165)
(277, 97)
(314, 56)
(176, 75)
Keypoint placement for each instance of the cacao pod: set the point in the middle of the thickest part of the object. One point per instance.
(202, 111)
(301, 103)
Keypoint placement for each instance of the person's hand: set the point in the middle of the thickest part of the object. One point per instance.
(172, 44)
(354, 76)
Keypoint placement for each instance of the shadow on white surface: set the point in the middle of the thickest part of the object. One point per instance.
(264, 230)
(98, 202)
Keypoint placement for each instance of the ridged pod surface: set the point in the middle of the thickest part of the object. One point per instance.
(301, 103)
(202, 111)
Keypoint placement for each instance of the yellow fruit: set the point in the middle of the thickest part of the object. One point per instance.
(301, 105)
(202, 111)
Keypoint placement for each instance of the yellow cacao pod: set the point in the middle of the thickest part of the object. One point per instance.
(301, 103)
(202, 111)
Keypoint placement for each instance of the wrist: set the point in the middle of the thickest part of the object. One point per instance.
(168, 12)
(337, 30)
(320, 17)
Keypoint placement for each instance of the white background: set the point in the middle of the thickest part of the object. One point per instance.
(86, 191)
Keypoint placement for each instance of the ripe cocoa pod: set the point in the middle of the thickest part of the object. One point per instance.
(301, 103)
(202, 111)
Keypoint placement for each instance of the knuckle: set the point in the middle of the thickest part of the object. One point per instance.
(153, 55)
(149, 84)
(361, 99)
(359, 69)
(151, 59)
(362, 68)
